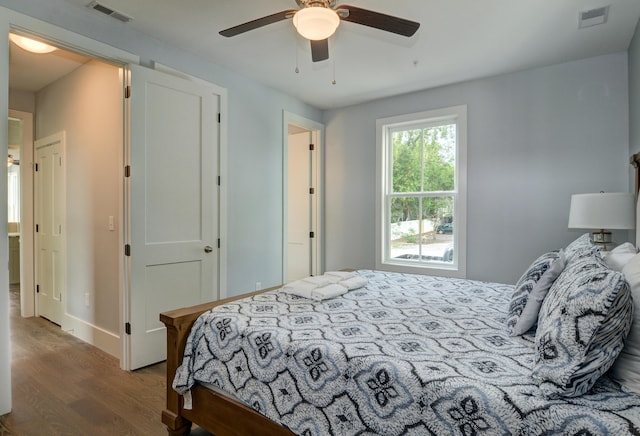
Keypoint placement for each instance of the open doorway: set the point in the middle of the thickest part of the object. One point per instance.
(20, 199)
(81, 96)
(302, 201)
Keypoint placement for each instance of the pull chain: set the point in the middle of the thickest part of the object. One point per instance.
(295, 40)
(333, 61)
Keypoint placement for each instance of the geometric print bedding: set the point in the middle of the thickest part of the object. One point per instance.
(405, 355)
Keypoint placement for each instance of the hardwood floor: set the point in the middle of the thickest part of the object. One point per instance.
(63, 386)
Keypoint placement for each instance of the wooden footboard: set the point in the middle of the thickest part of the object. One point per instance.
(215, 413)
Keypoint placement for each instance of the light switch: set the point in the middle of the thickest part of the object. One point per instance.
(112, 226)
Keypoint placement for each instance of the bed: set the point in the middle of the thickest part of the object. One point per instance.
(418, 355)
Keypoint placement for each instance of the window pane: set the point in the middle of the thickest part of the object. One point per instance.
(422, 229)
(13, 193)
(407, 161)
(440, 212)
(439, 158)
(404, 226)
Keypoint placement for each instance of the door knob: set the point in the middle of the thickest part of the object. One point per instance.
(208, 249)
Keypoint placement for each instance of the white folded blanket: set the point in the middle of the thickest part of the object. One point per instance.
(301, 288)
(318, 280)
(307, 289)
(329, 291)
(352, 283)
(329, 285)
(347, 279)
(337, 276)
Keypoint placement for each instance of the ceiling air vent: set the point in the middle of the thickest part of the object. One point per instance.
(110, 12)
(593, 17)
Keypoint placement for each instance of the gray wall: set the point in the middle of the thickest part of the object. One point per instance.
(87, 106)
(534, 138)
(24, 101)
(634, 93)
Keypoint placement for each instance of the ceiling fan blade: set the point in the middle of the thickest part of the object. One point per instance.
(378, 20)
(319, 50)
(259, 22)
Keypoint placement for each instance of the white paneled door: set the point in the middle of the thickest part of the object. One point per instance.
(299, 206)
(50, 222)
(173, 206)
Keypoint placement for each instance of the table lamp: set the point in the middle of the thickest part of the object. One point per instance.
(602, 211)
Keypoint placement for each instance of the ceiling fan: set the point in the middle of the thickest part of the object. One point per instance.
(317, 20)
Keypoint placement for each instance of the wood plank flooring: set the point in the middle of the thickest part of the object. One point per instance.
(63, 386)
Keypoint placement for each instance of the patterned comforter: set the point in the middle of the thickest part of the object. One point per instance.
(407, 354)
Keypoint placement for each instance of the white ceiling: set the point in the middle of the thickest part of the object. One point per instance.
(32, 72)
(458, 40)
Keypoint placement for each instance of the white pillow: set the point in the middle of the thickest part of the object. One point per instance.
(626, 369)
(619, 256)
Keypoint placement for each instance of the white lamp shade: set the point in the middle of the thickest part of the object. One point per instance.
(316, 23)
(604, 210)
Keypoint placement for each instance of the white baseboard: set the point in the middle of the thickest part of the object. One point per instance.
(96, 336)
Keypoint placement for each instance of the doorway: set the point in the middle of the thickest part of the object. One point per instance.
(20, 196)
(302, 233)
(82, 96)
(128, 140)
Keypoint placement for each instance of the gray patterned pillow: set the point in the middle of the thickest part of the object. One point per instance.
(529, 316)
(582, 326)
(580, 247)
(525, 285)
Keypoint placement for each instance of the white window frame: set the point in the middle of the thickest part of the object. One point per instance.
(458, 115)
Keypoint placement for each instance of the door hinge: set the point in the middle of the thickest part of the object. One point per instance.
(36, 167)
(37, 228)
(127, 171)
(312, 235)
(219, 117)
(127, 250)
(127, 91)
(219, 180)
(312, 191)
(218, 242)
(127, 328)
(312, 147)
(37, 289)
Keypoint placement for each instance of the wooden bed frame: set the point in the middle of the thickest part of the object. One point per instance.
(213, 412)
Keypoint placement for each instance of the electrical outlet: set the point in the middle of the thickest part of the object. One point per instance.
(258, 286)
(87, 299)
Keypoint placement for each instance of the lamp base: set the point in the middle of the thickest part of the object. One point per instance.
(601, 237)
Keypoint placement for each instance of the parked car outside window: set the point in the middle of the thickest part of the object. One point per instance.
(445, 228)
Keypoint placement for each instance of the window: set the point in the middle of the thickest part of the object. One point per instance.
(13, 193)
(421, 201)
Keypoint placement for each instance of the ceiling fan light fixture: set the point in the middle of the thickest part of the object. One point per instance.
(31, 45)
(316, 22)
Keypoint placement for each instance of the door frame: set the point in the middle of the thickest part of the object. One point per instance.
(27, 255)
(317, 133)
(13, 21)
